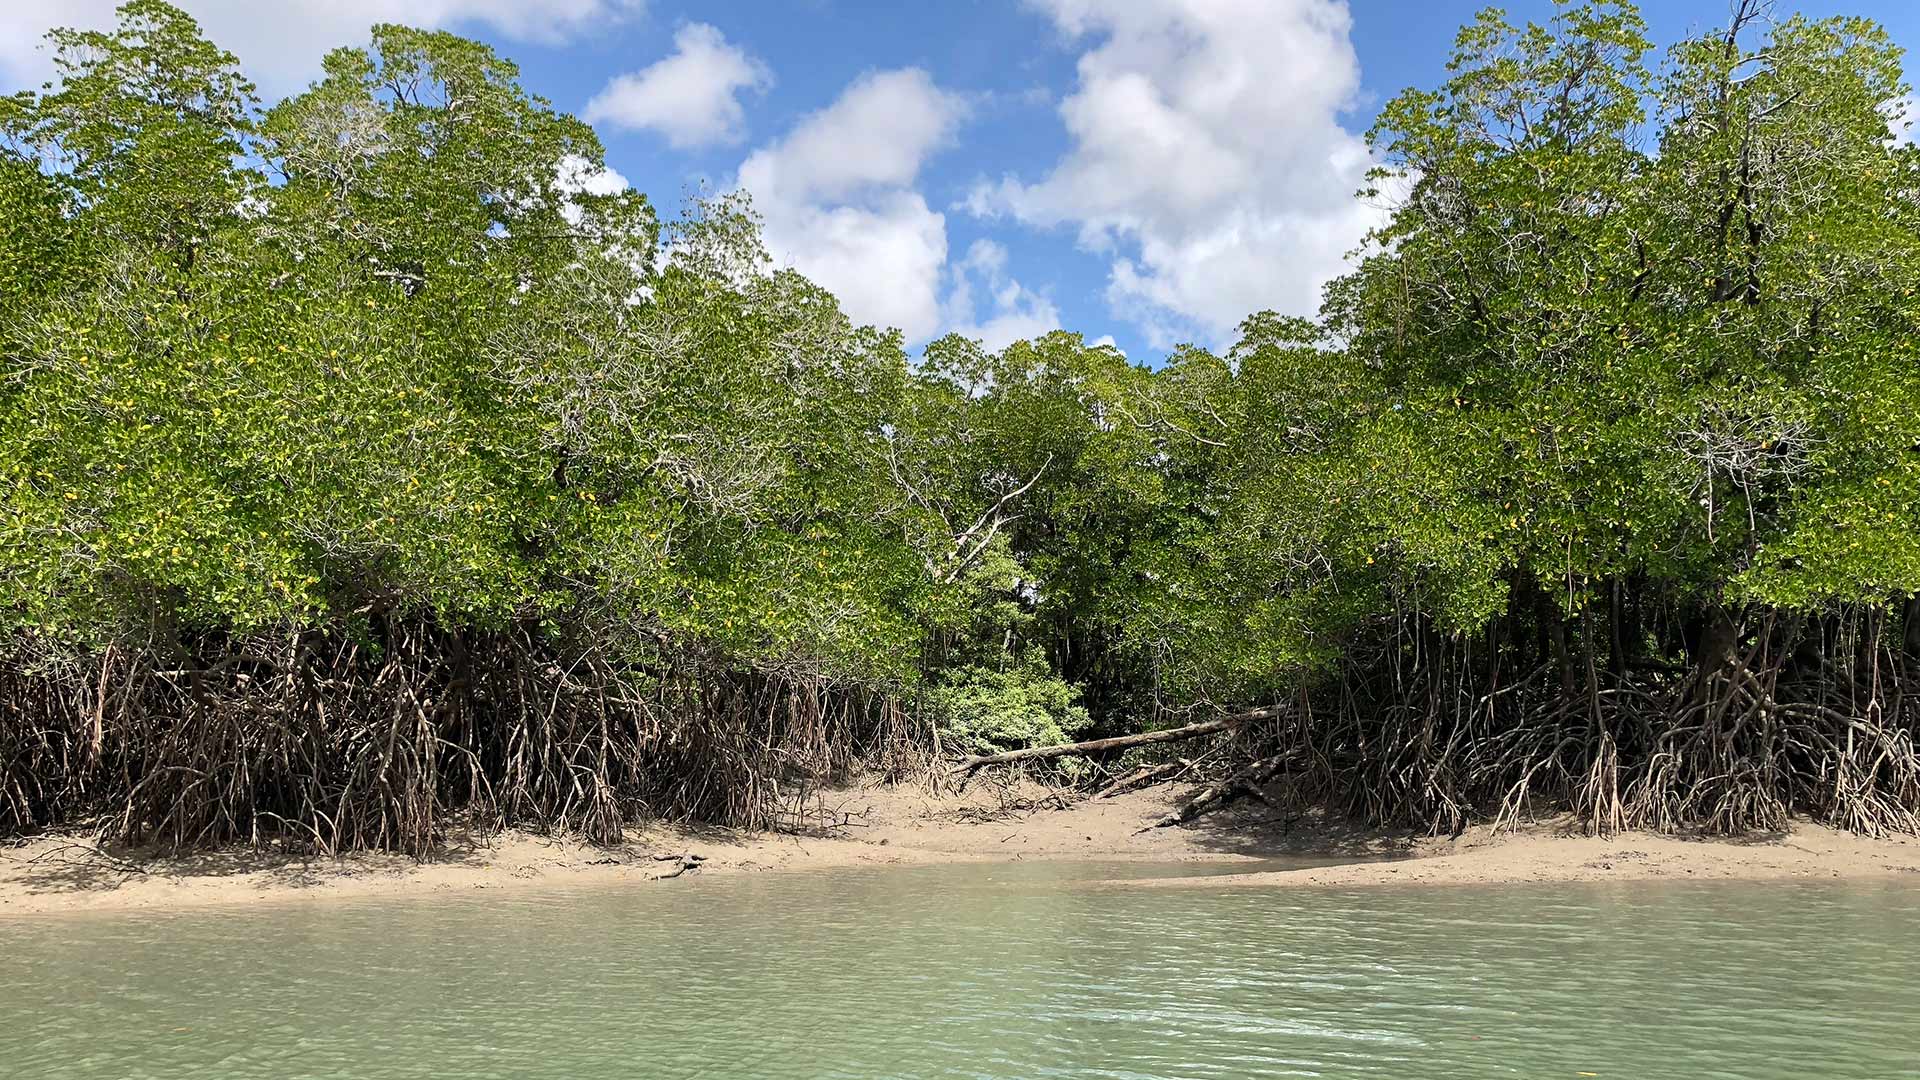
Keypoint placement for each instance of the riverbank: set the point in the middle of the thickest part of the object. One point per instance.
(1552, 852)
(890, 826)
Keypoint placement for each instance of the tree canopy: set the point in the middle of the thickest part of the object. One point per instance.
(365, 459)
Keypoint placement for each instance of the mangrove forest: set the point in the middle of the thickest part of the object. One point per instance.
(368, 468)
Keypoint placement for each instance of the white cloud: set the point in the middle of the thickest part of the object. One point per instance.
(838, 200)
(878, 133)
(692, 97)
(280, 42)
(1903, 114)
(578, 175)
(1015, 313)
(1206, 159)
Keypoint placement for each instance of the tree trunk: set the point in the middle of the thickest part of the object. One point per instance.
(1120, 742)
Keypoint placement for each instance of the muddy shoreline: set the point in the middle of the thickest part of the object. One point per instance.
(897, 826)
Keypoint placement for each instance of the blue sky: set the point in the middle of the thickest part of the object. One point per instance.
(1144, 170)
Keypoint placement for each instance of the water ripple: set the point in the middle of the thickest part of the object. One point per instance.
(983, 972)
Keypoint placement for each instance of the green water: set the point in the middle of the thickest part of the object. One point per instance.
(1005, 971)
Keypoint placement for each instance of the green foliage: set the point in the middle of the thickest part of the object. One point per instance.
(1635, 349)
(1604, 361)
(429, 370)
(982, 710)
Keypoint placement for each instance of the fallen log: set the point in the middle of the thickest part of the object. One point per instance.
(1245, 781)
(1118, 742)
(1144, 775)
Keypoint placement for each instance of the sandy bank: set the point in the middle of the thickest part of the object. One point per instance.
(877, 826)
(886, 826)
(1556, 852)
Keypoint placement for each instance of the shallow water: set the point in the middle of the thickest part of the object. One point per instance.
(982, 971)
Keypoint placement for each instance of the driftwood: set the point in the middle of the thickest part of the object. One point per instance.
(1118, 742)
(1245, 781)
(1144, 775)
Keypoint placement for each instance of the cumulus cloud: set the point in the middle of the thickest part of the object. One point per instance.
(838, 199)
(691, 97)
(1206, 159)
(280, 43)
(580, 176)
(1012, 312)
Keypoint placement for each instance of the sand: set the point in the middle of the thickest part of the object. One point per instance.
(890, 826)
(1556, 852)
